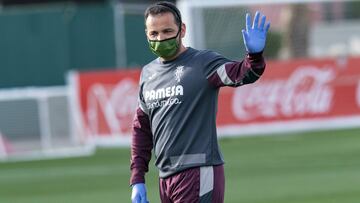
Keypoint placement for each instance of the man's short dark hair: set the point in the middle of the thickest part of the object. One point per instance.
(164, 7)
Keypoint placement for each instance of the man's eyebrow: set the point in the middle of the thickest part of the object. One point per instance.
(168, 29)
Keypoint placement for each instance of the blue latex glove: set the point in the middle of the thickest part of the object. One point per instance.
(255, 36)
(138, 194)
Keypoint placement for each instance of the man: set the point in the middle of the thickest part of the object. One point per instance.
(177, 108)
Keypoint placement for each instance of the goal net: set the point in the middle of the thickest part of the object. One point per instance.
(37, 123)
(299, 28)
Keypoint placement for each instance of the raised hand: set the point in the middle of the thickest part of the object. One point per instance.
(255, 35)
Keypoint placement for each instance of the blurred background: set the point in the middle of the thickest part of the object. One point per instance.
(68, 90)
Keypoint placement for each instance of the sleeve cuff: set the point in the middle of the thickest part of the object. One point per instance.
(254, 56)
(137, 177)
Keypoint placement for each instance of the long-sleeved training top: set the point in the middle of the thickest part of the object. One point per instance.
(177, 110)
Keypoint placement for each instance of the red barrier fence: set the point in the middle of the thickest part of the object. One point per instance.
(291, 96)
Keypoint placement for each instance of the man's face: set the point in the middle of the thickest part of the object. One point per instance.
(160, 27)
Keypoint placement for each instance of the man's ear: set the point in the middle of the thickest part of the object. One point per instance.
(183, 30)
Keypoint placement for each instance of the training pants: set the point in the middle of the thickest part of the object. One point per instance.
(195, 185)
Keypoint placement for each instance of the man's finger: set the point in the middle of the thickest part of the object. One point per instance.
(256, 20)
(262, 22)
(143, 198)
(267, 27)
(248, 21)
(136, 199)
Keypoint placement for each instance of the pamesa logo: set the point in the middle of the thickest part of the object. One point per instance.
(163, 93)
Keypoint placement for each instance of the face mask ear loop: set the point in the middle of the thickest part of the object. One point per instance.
(178, 32)
(180, 26)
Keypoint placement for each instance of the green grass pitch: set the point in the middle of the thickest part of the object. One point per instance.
(316, 167)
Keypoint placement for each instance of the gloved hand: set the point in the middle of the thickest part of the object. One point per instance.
(138, 194)
(255, 36)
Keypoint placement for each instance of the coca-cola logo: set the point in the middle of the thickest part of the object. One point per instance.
(124, 100)
(305, 92)
(358, 94)
(113, 105)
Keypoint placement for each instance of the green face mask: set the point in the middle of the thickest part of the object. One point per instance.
(166, 48)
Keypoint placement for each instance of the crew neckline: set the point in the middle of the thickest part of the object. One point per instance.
(181, 56)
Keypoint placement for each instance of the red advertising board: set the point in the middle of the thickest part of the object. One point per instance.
(291, 95)
(105, 102)
(299, 94)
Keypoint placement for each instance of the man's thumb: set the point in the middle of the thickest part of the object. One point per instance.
(244, 34)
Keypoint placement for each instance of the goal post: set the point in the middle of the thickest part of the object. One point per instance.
(37, 123)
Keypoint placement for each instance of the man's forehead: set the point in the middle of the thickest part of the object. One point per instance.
(161, 21)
